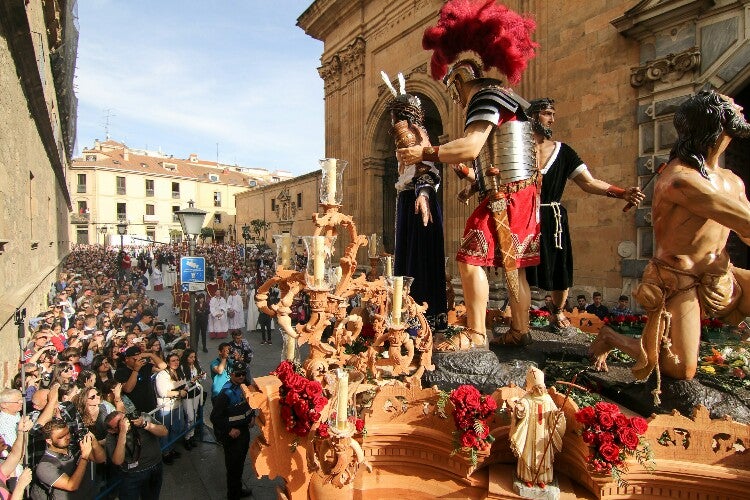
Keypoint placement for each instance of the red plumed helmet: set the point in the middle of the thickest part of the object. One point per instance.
(499, 36)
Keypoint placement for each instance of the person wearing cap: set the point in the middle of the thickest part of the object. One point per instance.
(135, 376)
(240, 348)
(232, 417)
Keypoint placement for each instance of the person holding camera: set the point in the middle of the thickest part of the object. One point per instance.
(132, 444)
(232, 418)
(62, 474)
(170, 391)
(135, 377)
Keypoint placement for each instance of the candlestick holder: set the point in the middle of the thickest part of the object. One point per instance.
(318, 269)
(285, 254)
(332, 181)
(396, 306)
(387, 261)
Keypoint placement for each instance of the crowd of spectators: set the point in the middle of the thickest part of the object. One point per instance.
(106, 391)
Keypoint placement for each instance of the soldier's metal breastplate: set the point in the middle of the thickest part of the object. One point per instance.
(509, 155)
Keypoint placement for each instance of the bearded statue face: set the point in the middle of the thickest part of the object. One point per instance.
(541, 122)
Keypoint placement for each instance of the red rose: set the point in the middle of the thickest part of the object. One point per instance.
(716, 323)
(291, 398)
(604, 407)
(320, 402)
(489, 405)
(466, 395)
(605, 437)
(588, 437)
(705, 322)
(628, 437)
(468, 439)
(322, 431)
(643, 319)
(639, 424)
(359, 424)
(609, 451)
(313, 388)
(586, 415)
(622, 421)
(301, 408)
(606, 420)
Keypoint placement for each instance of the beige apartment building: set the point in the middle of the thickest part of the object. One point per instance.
(38, 46)
(111, 184)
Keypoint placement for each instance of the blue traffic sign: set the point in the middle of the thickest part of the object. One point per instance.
(192, 270)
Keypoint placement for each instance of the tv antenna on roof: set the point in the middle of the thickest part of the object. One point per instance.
(106, 122)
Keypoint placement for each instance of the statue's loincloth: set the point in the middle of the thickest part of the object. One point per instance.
(718, 295)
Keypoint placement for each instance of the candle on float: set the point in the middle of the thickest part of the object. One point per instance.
(286, 250)
(388, 265)
(342, 398)
(318, 255)
(373, 245)
(398, 292)
(329, 165)
(337, 273)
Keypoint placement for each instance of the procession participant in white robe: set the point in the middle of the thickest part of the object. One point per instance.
(235, 310)
(218, 323)
(252, 311)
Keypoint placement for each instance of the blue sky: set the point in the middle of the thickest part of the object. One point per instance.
(184, 75)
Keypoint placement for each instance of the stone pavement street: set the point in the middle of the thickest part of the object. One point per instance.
(200, 473)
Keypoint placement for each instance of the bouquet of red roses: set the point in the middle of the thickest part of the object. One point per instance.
(471, 411)
(613, 437)
(301, 399)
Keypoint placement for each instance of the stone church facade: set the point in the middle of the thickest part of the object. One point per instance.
(617, 69)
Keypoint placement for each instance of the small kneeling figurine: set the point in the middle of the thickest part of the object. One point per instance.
(536, 431)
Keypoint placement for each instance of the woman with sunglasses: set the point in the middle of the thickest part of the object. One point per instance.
(93, 410)
(63, 373)
(192, 404)
(170, 390)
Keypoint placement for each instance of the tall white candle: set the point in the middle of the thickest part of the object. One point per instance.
(329, 165)
(373, 245)
(286, 251)
(388, 260)
(398, 290)
(338, 272)
(342, 395)
(318, 255)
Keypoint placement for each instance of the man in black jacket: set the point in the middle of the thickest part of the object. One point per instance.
(232, 417)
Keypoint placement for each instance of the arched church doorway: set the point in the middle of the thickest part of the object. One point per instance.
(434, 126)
(736, 159)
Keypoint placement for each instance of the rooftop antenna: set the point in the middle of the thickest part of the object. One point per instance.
(106, 122)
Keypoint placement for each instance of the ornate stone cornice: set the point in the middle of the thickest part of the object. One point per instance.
(667, 69)
(347, 63)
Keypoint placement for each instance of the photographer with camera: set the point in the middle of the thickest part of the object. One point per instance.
(135, 376)
(133, 445)
(62, 474)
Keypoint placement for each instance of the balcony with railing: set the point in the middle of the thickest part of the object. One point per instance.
(80, 218)
(175, 218)
(150, 219)
(150, 193)
(176, 195)
(121, 190)
(81, 188)
(121, 217)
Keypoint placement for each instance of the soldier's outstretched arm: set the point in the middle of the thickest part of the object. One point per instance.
(465, 148)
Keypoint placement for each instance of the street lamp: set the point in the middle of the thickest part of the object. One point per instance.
(103, 230)
(122, 230)
(191, 220)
